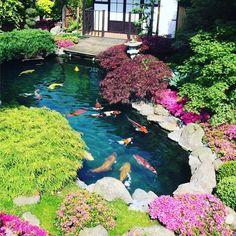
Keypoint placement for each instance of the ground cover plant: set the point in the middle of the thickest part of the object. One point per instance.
(194, 214)
(226, 170)
(28, 43)
(135, 79)
(84, 209)
(39, 151)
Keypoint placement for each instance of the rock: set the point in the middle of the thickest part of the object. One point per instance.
(194, 163)
(56, 30)
(189, 188)
(160, 110)
(95, 231)
(32, 219)
(81, 184)
(144, 108)
(175, 135)
(204, 154)
(156, 118)
(155, 230)
(217, 164)
(141, 200)
(205, 177)
(137, 106)
(26, 200)
(90, 187)
(110, 189)
(230, 218)
(170, 123)
(191, 137)
(60, 51)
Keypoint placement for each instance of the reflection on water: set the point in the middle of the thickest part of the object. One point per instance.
(100, 134)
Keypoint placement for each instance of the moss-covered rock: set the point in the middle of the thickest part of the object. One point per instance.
(39, 151)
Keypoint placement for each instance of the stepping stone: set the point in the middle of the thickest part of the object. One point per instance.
(26, 200)
(32, 219)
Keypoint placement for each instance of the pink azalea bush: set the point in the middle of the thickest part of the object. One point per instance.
(191, 214)
(64, 43)
(170, 100)
(221, 139)
(9, 223)
(83, 209)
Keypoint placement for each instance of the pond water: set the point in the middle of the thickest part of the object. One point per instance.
(81, 89)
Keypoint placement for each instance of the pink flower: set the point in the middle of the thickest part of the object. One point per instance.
(64, 43)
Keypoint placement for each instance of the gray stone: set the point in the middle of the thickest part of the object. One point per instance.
(194, 163)
(26, 200)
(204, 154)
(230, 218)
(138, 206)
(144, 108)
(95, 231)
(90, 187)
(175, 135)
(189, 188)
(217, 164)
(205, 177)
(169, 123)
(137, 106)
(156, 118)
(155, 230)
(191, 137)
(32, 219)
(56, 30)
(81, 184)
(110, 189)
(160, 110)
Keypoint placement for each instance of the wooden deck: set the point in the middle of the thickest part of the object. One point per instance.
(92, 46)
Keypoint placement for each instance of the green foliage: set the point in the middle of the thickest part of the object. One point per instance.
(126, 219)
(226, 191)
(73, 25)
(83, 209)
(210, 77)
(31, 13)
(26, 43)
(44, 7)
(39, 151)
(226, 170)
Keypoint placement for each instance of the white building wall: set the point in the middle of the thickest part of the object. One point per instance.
(168, 17)
(98, 16)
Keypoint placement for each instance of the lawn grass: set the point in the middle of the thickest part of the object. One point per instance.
(126, 219)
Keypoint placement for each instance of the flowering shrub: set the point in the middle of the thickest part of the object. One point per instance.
(113, 57)
(135, 79)
(45, 24)
(221, 139)
(18, 226)
(191, 214)
(156, 45)
(226, 170)
(226, 191)
(64, 43)
(83, 209)
(175, 105)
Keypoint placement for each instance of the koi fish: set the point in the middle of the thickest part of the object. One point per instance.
(53, 86)
(98, 106)
(143, 162)
(106, 166)
(76, 69)
(77, 112)
(26, 94)
(25, 72)
(88, 156)
(124, 171)
(98, 115)
(125, 141)
(137, 126)
(37, 95)
(111, 113)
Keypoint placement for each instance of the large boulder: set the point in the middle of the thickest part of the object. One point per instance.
(56, 30)
(170, 123)
(81, 184)
(32, 219)
(204, 154)
(189, 188)
(160, 110)
(230, 218)
(155, 230)
(26, 200)
(191, 137)
(141, 200)
(95, 231)
(110, 189)
(175, 135)
(156, 118)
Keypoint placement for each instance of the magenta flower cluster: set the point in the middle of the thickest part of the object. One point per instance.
(222, 140)
(170, 100)
(191, 214)
(64, 43)
(9, 223)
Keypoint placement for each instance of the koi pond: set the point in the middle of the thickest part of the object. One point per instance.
(101, 134)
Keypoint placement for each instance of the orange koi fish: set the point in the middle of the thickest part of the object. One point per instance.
(77, 112)
(137, 126)
(143, 162)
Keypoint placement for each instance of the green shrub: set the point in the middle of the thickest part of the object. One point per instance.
(31, 13)
(226, 170)
(39, 151)
(26, 43)
(83, 209)
(226, 191)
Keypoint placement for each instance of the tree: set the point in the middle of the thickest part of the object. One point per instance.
(44, 7)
